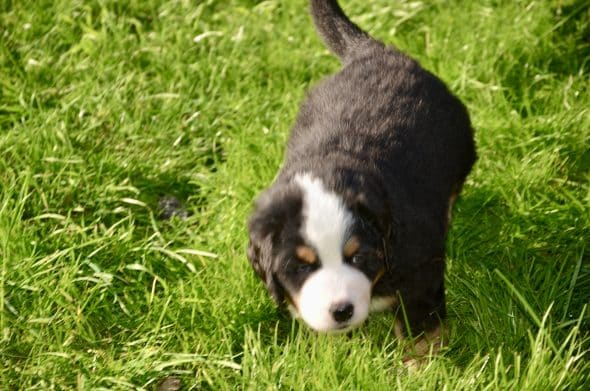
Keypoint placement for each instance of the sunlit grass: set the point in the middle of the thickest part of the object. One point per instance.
(107, 106)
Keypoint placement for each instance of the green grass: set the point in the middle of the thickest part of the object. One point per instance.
(105, 106)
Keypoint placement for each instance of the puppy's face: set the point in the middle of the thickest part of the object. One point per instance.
(317, 253)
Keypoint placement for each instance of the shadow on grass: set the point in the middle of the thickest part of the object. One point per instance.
(537, 246)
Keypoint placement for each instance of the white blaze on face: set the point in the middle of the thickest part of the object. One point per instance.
(325, 226)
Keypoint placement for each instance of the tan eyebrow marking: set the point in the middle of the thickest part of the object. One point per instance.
(306, 254)
(351, 246)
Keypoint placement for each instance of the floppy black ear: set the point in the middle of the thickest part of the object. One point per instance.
(375, 212)
(365, 196)
(259, 255)
(265, 227)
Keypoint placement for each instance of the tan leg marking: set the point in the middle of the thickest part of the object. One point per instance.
(425, 345)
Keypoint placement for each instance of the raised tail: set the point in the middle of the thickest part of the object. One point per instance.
(338, 32)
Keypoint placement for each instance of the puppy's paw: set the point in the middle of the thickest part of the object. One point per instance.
(420, 349)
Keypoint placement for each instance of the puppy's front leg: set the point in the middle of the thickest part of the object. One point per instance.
(424, 333)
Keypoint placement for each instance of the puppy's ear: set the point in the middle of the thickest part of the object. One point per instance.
(376, 215)
(260, 257)
(275, 210)
(374, 211)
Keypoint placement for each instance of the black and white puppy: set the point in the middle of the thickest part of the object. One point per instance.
(357, 217)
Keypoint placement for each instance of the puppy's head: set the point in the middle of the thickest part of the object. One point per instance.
(318, 251)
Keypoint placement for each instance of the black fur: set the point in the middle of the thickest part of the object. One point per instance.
(275, 224)
(395, 144)
(339, 33)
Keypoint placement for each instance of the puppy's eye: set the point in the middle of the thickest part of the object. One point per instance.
(300, 268)
(304, 268)
(357, 260)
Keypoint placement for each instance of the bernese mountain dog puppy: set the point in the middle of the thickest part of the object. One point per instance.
(357, 217)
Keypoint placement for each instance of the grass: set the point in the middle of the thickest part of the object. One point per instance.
(105, 106)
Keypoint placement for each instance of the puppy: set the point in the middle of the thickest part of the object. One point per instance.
(357, 217)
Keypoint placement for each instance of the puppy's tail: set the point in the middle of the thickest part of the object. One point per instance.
(338, 32)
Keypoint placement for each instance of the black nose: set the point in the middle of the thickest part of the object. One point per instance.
(342, 311)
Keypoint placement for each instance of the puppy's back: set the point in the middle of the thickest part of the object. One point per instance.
(381, 107)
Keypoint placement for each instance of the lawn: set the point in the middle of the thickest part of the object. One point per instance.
(108, 106)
